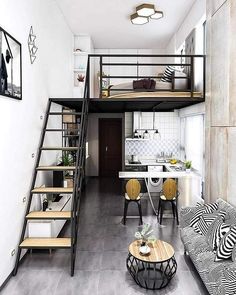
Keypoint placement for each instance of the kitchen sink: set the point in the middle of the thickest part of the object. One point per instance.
(176, 168)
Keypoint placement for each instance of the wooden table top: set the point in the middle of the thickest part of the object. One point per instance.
(160, 251)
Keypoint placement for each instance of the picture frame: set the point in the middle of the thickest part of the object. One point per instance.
(10, 66)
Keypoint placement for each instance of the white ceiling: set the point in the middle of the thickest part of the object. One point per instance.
(108, 23)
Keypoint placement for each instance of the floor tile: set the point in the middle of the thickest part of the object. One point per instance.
(100, 267)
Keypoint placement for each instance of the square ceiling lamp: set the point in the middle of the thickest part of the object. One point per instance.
(138, 20)
(145, 10)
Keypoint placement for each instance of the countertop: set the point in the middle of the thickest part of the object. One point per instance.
(171, 172)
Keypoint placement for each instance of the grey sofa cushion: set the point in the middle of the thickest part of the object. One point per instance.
(218, 277)
(231, 211)
(186, 214)
(194, 243)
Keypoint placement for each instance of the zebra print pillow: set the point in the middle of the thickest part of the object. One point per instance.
(207, 208)
(227, 244)
(234, 254)
(216, 232)
(167, 76)
(206, 220)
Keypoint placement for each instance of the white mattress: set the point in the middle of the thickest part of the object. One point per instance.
(129, 87)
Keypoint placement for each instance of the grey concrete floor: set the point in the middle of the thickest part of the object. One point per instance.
(100, 267)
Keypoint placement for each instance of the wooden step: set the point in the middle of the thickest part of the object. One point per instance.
(52, 190)
(64, 113)
(60, 130)
(59, 148)
(49, 215)
(46, 243)
(56, 168)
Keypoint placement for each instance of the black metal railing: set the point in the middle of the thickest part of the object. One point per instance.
(79, 171)
(188, 65)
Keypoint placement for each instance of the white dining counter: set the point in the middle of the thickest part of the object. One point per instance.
(186, 181)
(168, 174)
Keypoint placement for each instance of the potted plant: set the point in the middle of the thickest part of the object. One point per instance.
(188, 165)
(67, 160)
(145, 235)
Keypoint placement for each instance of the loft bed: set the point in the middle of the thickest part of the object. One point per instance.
(172, 79)
(180, 91)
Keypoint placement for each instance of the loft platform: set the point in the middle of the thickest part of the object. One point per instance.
(114, 105)
(125, 83)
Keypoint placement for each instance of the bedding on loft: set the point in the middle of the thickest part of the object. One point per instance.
(170, 81)
(168, 76)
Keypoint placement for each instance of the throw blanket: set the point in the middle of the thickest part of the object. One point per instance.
(144, 84)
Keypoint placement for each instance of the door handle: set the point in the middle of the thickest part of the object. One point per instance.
(106, 148)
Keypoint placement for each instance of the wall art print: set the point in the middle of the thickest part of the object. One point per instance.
(10, 66)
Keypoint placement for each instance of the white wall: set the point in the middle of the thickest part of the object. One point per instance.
(127, 70)
(196, 13)
(20, 122)
(92, 164)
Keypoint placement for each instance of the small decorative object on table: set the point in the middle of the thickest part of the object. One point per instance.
(188, 165)
(145, 236)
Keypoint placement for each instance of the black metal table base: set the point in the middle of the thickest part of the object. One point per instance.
(150, 275)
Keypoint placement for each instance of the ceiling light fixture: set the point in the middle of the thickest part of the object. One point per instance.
(138, 20)
(144, 12)
(157, 15)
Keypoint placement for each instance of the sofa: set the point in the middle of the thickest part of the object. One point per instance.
(219, 277)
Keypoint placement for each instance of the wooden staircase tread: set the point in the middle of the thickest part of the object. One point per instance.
(49, 215)
(56, 190)
(62, 148)
(64, 113)
(46, 243)
(66, 130)
(56, 168)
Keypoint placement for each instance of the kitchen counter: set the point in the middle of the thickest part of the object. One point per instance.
(189, 183)
(168, 166)
(168, 174)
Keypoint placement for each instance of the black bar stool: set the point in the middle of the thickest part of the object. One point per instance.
(132, 194)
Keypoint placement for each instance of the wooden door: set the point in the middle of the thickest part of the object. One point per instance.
(110, 147)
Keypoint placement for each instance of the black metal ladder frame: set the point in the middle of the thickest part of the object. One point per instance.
(78, 176)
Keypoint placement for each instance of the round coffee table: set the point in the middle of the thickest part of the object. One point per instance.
(155, 270)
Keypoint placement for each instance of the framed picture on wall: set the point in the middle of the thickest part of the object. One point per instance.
(10, 66)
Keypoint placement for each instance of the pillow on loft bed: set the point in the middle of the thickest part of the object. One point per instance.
(172, 72)
(168, 74)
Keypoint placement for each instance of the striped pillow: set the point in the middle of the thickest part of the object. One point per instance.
(216, 232)
(227, 244)
(167, 76)
(207, 208)
(206, 220)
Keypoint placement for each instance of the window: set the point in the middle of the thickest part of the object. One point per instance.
(193, 141)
